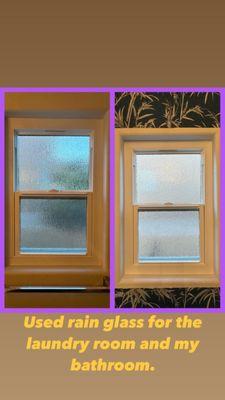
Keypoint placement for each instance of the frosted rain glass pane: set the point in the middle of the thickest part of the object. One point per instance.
(53, 226)
(169, 236)
(168, 178)
(53, 162)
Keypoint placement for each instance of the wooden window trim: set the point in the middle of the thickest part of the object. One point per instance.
(68, 270)
(130, 273)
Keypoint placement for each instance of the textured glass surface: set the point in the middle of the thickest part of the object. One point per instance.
(168, 178)
(53, 226)
(169, 236)
(53, 162)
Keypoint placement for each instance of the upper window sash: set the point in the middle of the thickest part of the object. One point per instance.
(165, 177)
(41, 158)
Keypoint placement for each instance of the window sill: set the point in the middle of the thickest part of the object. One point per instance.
(88, 275)
(49, 299)
(172, 281)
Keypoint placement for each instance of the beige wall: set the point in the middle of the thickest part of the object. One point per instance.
(56, 101)
(99, 43)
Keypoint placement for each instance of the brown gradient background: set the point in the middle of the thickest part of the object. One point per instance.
(96, 43)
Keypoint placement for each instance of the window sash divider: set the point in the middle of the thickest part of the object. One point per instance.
(156, 207)
(54, 193)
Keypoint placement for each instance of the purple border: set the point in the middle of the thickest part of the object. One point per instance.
(112, 200)
(111, 91)
(2, 200)
(222, 199)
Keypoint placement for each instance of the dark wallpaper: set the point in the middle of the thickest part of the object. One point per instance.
(167, 110)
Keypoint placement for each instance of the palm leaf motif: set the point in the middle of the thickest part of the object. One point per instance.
(139, 109)
(168, 298)
(203, 297)
(145, 298)
(134, 297)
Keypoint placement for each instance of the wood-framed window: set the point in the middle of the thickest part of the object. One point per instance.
(56, 201)
(167, 207)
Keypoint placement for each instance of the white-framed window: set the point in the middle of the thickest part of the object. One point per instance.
(53, 188)
(56, 201)
(167, 207)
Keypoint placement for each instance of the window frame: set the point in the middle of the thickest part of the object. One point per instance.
(60, 269)
(130, 272)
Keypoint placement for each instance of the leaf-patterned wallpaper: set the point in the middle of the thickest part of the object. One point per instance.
(167, 110)
(171, 110)
(168, 298)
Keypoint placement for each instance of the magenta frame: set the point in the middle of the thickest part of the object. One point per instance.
(111, 91)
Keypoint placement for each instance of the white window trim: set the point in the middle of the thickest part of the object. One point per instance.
(130, 273)
(69, 269)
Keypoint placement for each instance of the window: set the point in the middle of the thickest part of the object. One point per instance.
(57, 192)
(52, 192)
(167, 201)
